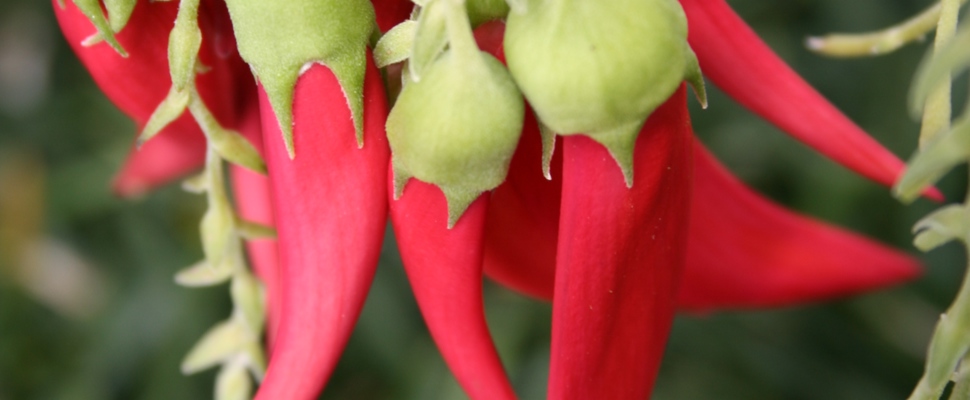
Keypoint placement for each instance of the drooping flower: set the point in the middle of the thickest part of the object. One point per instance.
(620, 249)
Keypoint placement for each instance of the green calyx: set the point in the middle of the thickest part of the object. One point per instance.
(600, 68)
(119, 11)
(280, 40)
(457, 127)
(431, 36)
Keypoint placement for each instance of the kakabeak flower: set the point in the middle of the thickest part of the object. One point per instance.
(637, 220)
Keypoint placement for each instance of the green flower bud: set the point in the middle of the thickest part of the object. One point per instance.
(456, 128)
(601, 67)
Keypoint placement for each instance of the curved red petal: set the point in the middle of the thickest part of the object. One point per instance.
(747, 252)
(444, 267)
(619, 260)
(522, 224)
(733, 57)
(330, 204)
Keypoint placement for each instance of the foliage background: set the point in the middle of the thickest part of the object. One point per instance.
(89, 310)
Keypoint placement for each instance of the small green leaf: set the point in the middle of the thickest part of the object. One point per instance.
(931, 163)
(167, 112)
(252, 230)
(952, 58)
(119, 12)
(395, 46)
(247, 296)
(255, 359)
(196, 184)
(941, 226)
(228, 143)
(92, 10)
(203, 274)
(233, 383)
(216, 346)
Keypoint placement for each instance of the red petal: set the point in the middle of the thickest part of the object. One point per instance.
(737, 61)
(522, 224)
(330, 204)
(820, 262)
(391, 12)
(138, 83)
(748, 252)
(444, 267)
(620, 256)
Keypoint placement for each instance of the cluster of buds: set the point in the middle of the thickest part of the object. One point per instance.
(621, 223)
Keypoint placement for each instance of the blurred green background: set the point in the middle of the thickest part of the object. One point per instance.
(89, 310)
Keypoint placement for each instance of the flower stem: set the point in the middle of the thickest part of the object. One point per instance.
(882, 41)
(947, 347)
(937, 110)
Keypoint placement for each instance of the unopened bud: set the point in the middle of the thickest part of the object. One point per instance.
(601, 67)
(456, 128)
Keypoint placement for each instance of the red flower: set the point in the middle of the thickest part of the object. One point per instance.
(617, 262)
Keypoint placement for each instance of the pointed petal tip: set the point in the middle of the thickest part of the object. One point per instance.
(128, 187)
(934, 194)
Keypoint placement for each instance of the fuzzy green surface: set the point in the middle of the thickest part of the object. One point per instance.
(593, 66)
(457, 127)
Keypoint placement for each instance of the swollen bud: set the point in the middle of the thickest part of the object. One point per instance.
(456, 128)
(601, 67)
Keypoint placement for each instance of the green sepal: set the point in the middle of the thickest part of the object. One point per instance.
(695, 78)
(252, 231)
(930, 164)
(230, 144)
(430, 38)
(119, 12)
(167, 112)
(951, 59)
(255, 359)
(400, 178)
(395, 46)
(280, 40)
(548, 149)
(620, 142)
(942, 226)
(217, 345)
(184, 43)
(92, 10)
(459, 198)
(247, 296)
(196, 184)
(233, 382)
(202, 274)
